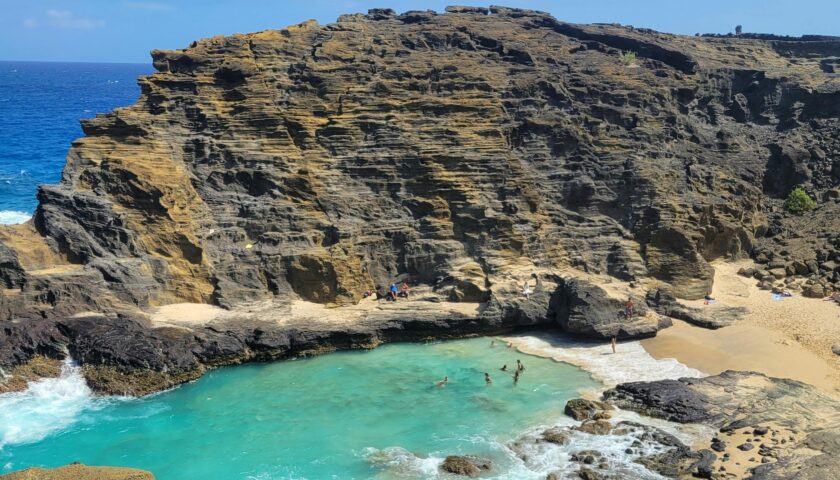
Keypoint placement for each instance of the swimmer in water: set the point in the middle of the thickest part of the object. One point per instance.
(504, 368)
(492, 343)
(442, 382)
(519, 366)
(487, 379)
(516, 377)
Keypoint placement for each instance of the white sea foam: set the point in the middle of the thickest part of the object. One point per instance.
(46, 406)
(397, 462)
(13, 216)
(630, 363)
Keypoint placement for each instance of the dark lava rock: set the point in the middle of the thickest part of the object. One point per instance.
(581, 409)
(760, 431)
(583, 308)
(589, 474)
(718, 445)
(746, 446)
(556, 435)
(466, 466)
(595, 427)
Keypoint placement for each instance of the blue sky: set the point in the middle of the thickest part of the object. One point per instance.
(125, 31)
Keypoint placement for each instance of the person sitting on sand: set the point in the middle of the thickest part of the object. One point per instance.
(487, 379)
(628, 307)
(504, 368)
(442, 382)
(393, 291)
(526, 291)
(404, 290)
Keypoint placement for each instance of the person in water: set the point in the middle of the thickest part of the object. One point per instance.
(613, 344)
(492, 343)
(442, 382)
(487, 379)
(516, 377)
(504, 368)
(519, 366)
(510, 345)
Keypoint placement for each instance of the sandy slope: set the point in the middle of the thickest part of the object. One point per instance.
(790, 338)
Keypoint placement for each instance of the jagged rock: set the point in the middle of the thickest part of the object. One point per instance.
(755, 400)
(556, 435)
(589, 474)
(586, 309)
(712, 317)
(581, 409)
(595, 427)
(278, 182)
(466, 466)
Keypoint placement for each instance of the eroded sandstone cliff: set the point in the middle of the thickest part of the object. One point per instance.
(467, 152)
(463, 150)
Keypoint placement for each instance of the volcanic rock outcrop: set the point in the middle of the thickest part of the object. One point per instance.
(794, 428)
(467, 152)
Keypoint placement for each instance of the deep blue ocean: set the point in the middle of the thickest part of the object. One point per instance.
(40, 108)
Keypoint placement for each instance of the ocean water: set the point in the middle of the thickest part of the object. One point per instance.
(374, 414)
(40, 108)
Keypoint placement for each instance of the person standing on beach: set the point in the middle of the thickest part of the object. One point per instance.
(612, 344)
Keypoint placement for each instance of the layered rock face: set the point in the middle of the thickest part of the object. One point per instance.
(464, 150)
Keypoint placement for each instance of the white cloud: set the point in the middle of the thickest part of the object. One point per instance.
(67, 19)
(151, 6)
(30, 23)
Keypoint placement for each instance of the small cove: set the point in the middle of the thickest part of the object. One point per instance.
(372, 414)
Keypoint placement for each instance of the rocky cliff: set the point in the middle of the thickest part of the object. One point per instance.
(467, 152)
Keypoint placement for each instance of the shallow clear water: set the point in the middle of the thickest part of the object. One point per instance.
(343, 415)
(40, 108)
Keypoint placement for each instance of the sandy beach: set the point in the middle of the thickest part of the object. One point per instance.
(787, 338)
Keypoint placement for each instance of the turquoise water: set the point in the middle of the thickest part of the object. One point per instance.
(345, 415)
(40, 107)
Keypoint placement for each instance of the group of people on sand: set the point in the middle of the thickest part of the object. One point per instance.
(520, 367)
(391, 295)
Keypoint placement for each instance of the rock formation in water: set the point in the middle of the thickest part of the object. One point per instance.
(79, 472)
(468, 153)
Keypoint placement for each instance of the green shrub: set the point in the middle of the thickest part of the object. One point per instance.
(798, 202)
(627, 58)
